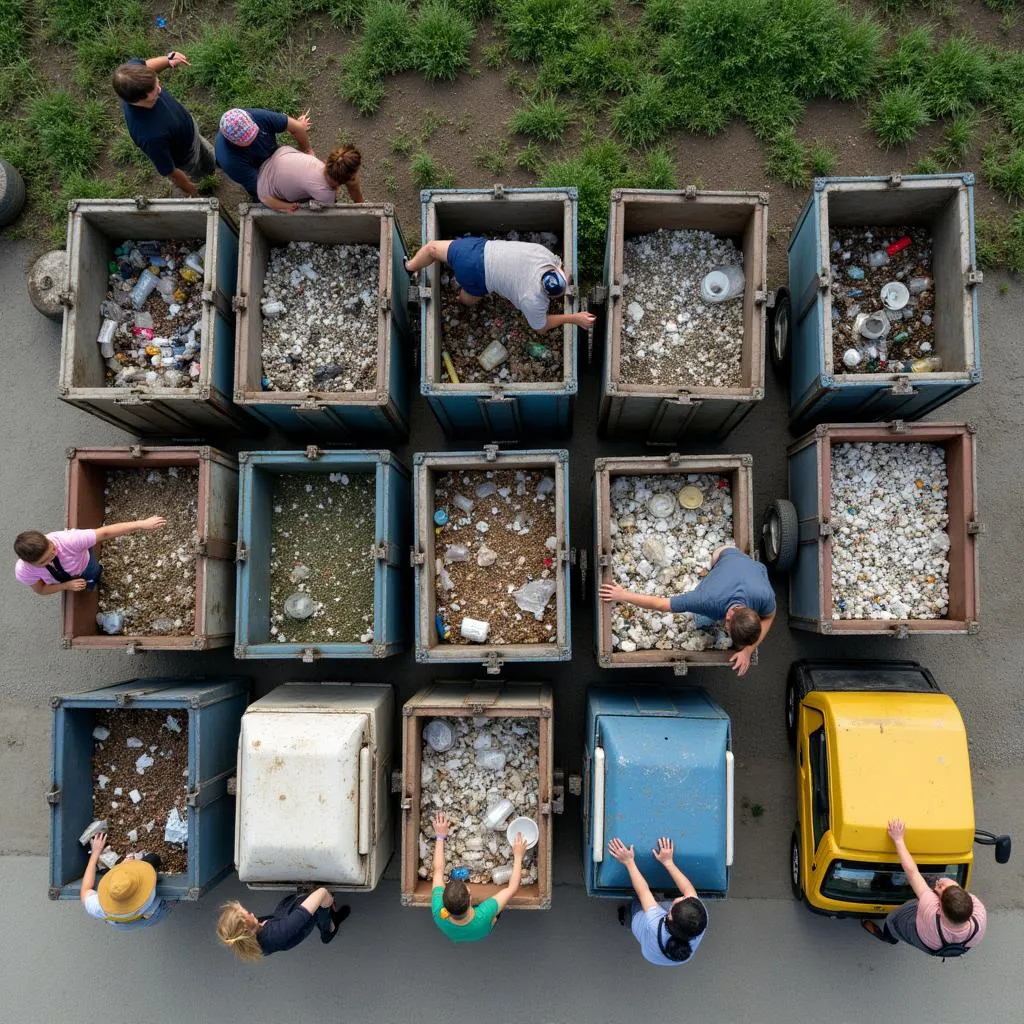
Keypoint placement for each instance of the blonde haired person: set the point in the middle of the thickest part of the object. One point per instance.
(290, 177)
(293, 920)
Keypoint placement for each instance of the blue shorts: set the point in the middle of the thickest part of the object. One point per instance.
(92, 572)
(466, 258)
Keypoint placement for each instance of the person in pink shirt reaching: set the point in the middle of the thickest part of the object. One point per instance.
(945, 921)
(291, 177)
(65, 559)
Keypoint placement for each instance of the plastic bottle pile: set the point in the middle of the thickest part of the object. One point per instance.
(661, 548)
(889, 540)
(673, 331)
(150, 334)
(883, 301)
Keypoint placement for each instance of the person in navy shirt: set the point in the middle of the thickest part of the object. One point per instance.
(160, 126)
(735, 592)
(248, 138)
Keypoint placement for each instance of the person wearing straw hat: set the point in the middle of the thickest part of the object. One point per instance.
(126, 896)
(248, 139)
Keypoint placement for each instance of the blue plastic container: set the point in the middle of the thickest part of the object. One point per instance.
(382, 411)
(507, 411)
(657, 762)
(391, 627)
(820, 389)
(214, 710)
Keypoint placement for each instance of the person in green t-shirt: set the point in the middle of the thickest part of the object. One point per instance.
(453, 910)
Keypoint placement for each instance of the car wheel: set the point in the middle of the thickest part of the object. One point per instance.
(780, 332)
(780, 535)
(12, 193)
(792, 704)
(794, 866)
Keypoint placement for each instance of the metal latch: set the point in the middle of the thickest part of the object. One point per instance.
(493, 663)
(598, 295)
(53, 797)
(674, 458)
(973, 276)
(760, 297)
(141, 202)
(902, 386)
(690, 192)
(386, 552)
(241, 551)
(975, 529)
(615, 290)
(385, 303)
(604, 561)
(894, 180)
(416, 293)
(498, 192)
(902, 633)
(312, 452)
(239, 303)
(490, 452)
(416, 557)
(898, 427)
(309, 655)
(824, 279)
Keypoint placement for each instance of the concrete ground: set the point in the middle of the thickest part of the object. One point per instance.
(765, 959)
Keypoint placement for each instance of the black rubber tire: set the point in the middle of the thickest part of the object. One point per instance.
(780, 535)
(12, 193)
(794, 866)
(792, 709)
(779, 329)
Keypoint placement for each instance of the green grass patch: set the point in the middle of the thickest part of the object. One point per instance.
(224, 61)
(958, 77)
(12, 31)
(440, 41)
(16, 79)
(110, 45)
(1003, 164)
(664, 16)
(822, 159)
(910, 57)
(276, 16)
(545, 119)
(401, 143)
(359, 84)
(426, 172)
(68, 21)
(897, 115)
(957, 139)
(125, 153)
(530, 158)
(475, 10)
(70, 131)
(387, 37)
(535, 27)
(999, 243)
(344, 13)
(492, 158)
(598, 63)
(643, 117)
(928, 165)
(430, 121)
(786, 159)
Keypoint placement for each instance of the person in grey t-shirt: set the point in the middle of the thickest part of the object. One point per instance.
(735, 592)
(526, 274)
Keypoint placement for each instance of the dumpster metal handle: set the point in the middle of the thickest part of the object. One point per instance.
(597, 839)
(365, 775)
(730, 800)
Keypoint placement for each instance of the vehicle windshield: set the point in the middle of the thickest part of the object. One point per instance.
(860, 882)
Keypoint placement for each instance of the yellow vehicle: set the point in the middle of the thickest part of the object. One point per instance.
(876, 740)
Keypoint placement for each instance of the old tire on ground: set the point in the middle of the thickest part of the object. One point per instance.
(794, 866)
(780, 331)
(12, 193)
(46, 279)
(780, 535)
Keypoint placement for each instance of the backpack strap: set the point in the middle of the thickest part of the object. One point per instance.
(964, 942)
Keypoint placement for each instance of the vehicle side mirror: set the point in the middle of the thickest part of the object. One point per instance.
(1002, 844)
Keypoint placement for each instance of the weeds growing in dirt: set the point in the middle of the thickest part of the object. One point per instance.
(97, 55)
(1000, 242)
(1003, 164)
(492, 158)
(12, 31)
(426, 172)
(786, 159)
(430, 121)
(545, 119)
(387, 37)
(67, 21)
(16, 79)
(401, 142)
(494, 55)
(928, 165)
(70, 131)
(530, 158)
(958, 77)
(642, 117)
(440, 41)
(359, 85)
(344, 13)
(897, 115)
(124, 152)
(957, 139)
(822, 159)
(535, 27)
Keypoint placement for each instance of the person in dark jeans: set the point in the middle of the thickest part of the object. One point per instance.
(126, 895)
(293, 919)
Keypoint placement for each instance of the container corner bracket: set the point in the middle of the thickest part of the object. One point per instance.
(493, 664)
(894, 180)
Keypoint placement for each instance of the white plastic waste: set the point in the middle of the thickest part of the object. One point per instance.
(93, 829)
(101, 732)
(438, 733)
(533, 597)
(462, 503)
(144, 762)
(110, 622)
(490, 760)
(298, 605)
(723, 284)
(474, 630)
(497, 814)
(501, 874)
(494, 355)
(175, 829)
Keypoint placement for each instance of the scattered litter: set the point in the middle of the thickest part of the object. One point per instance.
(144, 762)
(108, 858)
(134, 742)
(175, 829)
(93, 829)
(136, 796)
(101, 733)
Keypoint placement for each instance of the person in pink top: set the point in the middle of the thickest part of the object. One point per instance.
(65, 559)
(290, 177)
(945, 921)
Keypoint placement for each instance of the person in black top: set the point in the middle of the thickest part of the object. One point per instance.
(160, 126)
(293, 919)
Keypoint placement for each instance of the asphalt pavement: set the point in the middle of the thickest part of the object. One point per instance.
(765, 959)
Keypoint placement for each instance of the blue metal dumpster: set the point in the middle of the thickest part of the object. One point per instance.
(214, 711)
(819, 389)
(426, 557)
(391, 630)
(497, 412)
(657, 762)
(381, 412)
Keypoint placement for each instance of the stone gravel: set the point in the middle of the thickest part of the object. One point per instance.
(665, 556)
(670, 335)
(454, 781)
(325, 339)
(889, 543)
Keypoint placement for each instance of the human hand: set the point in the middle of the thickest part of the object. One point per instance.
(291, 207)
(441, 825)
(613, 592)
(176, 59)
(304, 122)
(584, 320)
(153, 523)
(623, 854)
(75, 585)
(896, 829)
(740, 661)
(664, 850)
(97, 843)
(518, 846)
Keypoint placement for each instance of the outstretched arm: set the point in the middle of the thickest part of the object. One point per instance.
(897, 830)
(119, 529)
(613, 592)
(96, 845)
(163, 62)
(624, 855)
(585, 320)
(518, 849)
(441, 827)
(299, 127)
(664, 854)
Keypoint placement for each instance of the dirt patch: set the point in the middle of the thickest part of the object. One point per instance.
(150, 577)
(484, 555)
(138, 827)
(323, 536)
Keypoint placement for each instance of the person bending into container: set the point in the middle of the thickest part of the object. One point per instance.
(293, 919)
(160, 126)
(526, 274)
(946, 921)
(66, 559)
(452, 907)
(290, 177)
(248, 139)
(669, 932)
(126, 896)
(735, 592)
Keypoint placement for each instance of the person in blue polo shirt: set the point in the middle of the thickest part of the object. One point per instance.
(160, 126)
(248, 139)
(735, 592)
